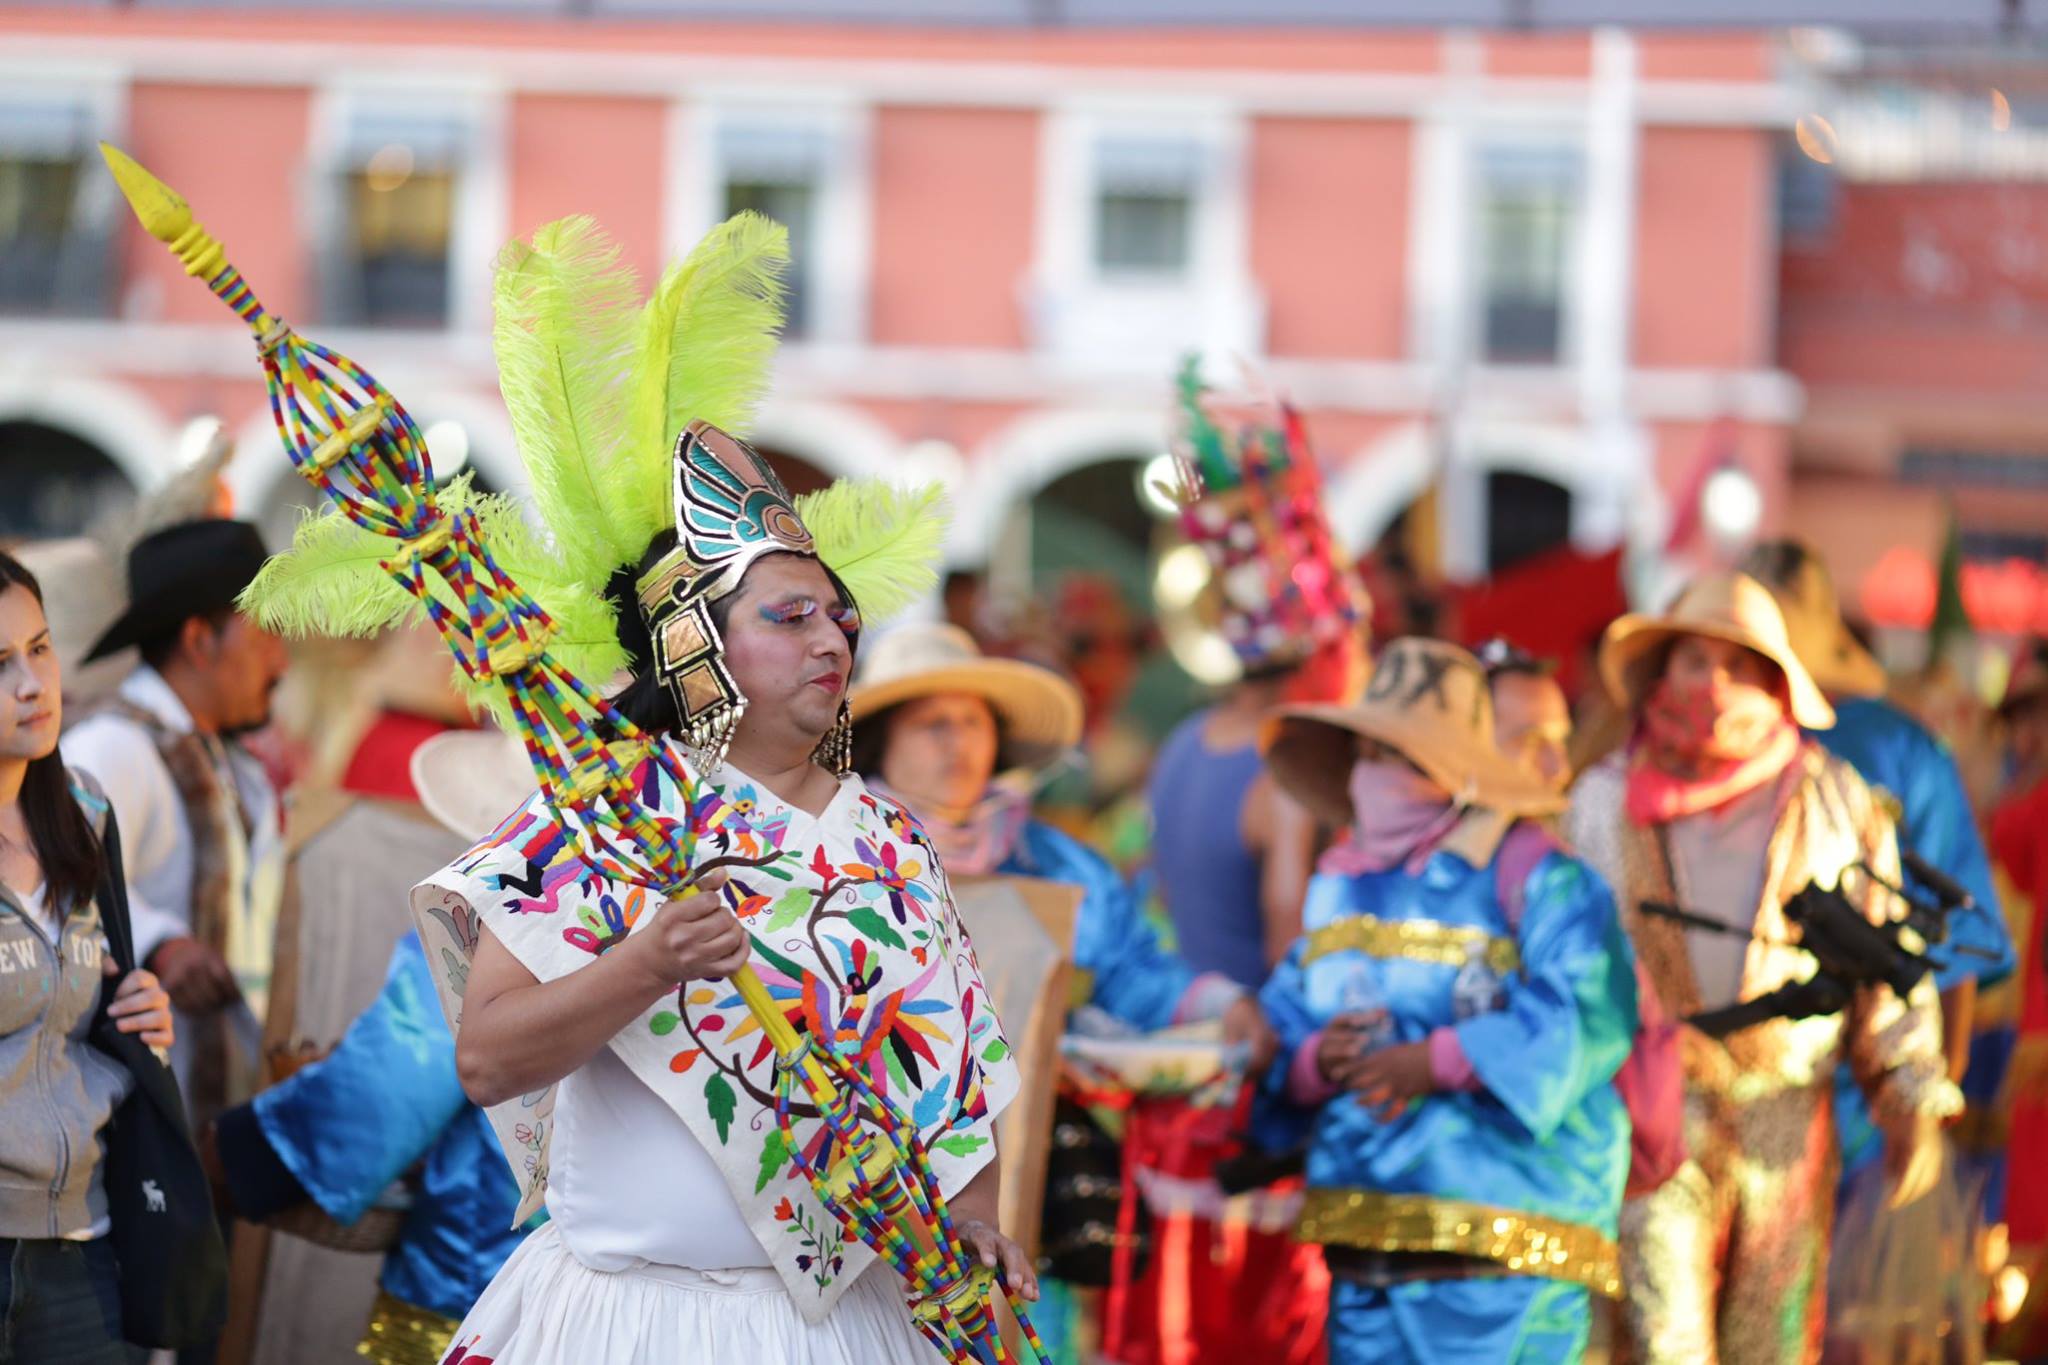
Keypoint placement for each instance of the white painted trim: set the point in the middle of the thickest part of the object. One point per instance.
(983, 84)
(482, 209)
(1369, 490)
(843, 236)
(105, 413)
(1084, 316)
(1023, 457)
(842, 441)
(1604, 275)
(962, 374)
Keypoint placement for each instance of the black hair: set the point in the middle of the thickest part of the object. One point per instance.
(62, 837)
(1777, 563)
(644, 700)
(1501, 657)
(161, 648)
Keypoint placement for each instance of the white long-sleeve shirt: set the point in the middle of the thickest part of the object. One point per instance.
(156, 830)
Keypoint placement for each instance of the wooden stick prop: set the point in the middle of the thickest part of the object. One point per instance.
(356, 443)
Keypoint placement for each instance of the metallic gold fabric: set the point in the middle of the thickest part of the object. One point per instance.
(1727, 1261)
(1522, 1243)
(400, 1334)
(1418, 940)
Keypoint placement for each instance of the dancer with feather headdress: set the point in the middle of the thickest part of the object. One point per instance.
(635, 1096)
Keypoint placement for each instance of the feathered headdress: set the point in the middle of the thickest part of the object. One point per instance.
(601, 388)
(1252, 498)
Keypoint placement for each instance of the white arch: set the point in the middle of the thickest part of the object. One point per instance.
(1034, 450)
(1372, 487)
(127, 427)
(842, 441)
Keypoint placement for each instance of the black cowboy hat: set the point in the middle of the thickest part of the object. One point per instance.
(182, 571)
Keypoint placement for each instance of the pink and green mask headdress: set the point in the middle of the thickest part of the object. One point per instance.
(1252, 498)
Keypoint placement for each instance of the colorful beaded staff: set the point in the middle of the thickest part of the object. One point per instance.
(357, 444)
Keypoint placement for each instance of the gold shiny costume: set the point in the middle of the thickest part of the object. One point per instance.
(1727, 1261)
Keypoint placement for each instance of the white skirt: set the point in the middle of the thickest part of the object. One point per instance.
(547, 1308)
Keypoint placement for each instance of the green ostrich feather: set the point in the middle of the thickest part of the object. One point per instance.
(883, 541)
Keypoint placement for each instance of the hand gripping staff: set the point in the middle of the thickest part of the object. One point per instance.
(355, 442)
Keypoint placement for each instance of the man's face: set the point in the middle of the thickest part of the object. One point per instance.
(1532, 725)
(243, 664)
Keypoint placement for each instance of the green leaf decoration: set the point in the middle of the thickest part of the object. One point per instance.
(664, 1023)
(995, 1051)
(961, 1144)
(788, 909)
(870, 922)
(720, 1101)
(774, 1152)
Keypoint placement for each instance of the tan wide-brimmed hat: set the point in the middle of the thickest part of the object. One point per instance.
(1429, 701)
(1721, 606)
(1038, 711)
(1836, 659)
(470, 780)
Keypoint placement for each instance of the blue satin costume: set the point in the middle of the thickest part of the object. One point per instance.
(386, 1099)
(1134, 978)
(1894, 753)
(1131, 977)
(1527, 1169)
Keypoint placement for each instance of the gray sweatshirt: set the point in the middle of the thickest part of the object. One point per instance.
(56, 1089)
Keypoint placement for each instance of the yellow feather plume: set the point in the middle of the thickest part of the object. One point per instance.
(883, 541)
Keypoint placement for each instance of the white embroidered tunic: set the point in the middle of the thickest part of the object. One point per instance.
(857, 938)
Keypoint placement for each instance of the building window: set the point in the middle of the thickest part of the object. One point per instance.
(54, 246)
(778, 170)
(1525, 517)
(398, 184)
(1528, 211)
(1145, 195)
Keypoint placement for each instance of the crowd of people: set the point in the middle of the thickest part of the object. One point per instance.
(1502, 1051)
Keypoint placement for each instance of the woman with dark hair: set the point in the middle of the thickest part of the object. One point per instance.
(59, 1297)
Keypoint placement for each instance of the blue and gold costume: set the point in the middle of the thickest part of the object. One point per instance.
(1473, 1225)
(1911, 771)
(341, 1130)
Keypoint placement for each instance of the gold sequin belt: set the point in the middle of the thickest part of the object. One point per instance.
(400, 1334)
(1520, 1243)
(1418, 940)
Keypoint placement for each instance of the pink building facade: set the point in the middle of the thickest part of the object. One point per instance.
(1537, 267)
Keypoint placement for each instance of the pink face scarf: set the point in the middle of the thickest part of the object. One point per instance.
(1694, 753)
(1397, 817)
(984, 840)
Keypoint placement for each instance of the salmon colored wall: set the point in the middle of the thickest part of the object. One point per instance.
(583, 154)
(1763, 451)
(1547, 54)
(235, 153)
(1329, 234)
(955, 212)
(1675, 55)
(1704, 273)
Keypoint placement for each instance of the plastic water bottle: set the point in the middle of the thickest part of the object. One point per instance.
(1357, 995)
(1478, 990)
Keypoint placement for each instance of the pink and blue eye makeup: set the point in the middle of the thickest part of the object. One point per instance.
(798, 609)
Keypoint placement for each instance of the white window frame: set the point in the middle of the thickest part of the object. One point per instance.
(1214, 306)
(841, 236)
(102, 93)
(481, 211)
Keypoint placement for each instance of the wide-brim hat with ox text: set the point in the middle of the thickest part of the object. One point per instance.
(1428, 701)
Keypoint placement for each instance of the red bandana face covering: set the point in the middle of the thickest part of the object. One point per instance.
(1695, 752)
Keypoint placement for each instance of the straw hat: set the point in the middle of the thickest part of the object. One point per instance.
(470, 780)
(1837, 661)
(1038, 711)
(1428, 700)
(1722, 606)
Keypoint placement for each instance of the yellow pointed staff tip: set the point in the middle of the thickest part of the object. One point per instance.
(165, 215)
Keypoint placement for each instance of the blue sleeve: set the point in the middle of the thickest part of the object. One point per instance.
(1135, 979)
(1938, 825)
(1571, 1012)
(1279, 1124)
(353, 1122)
